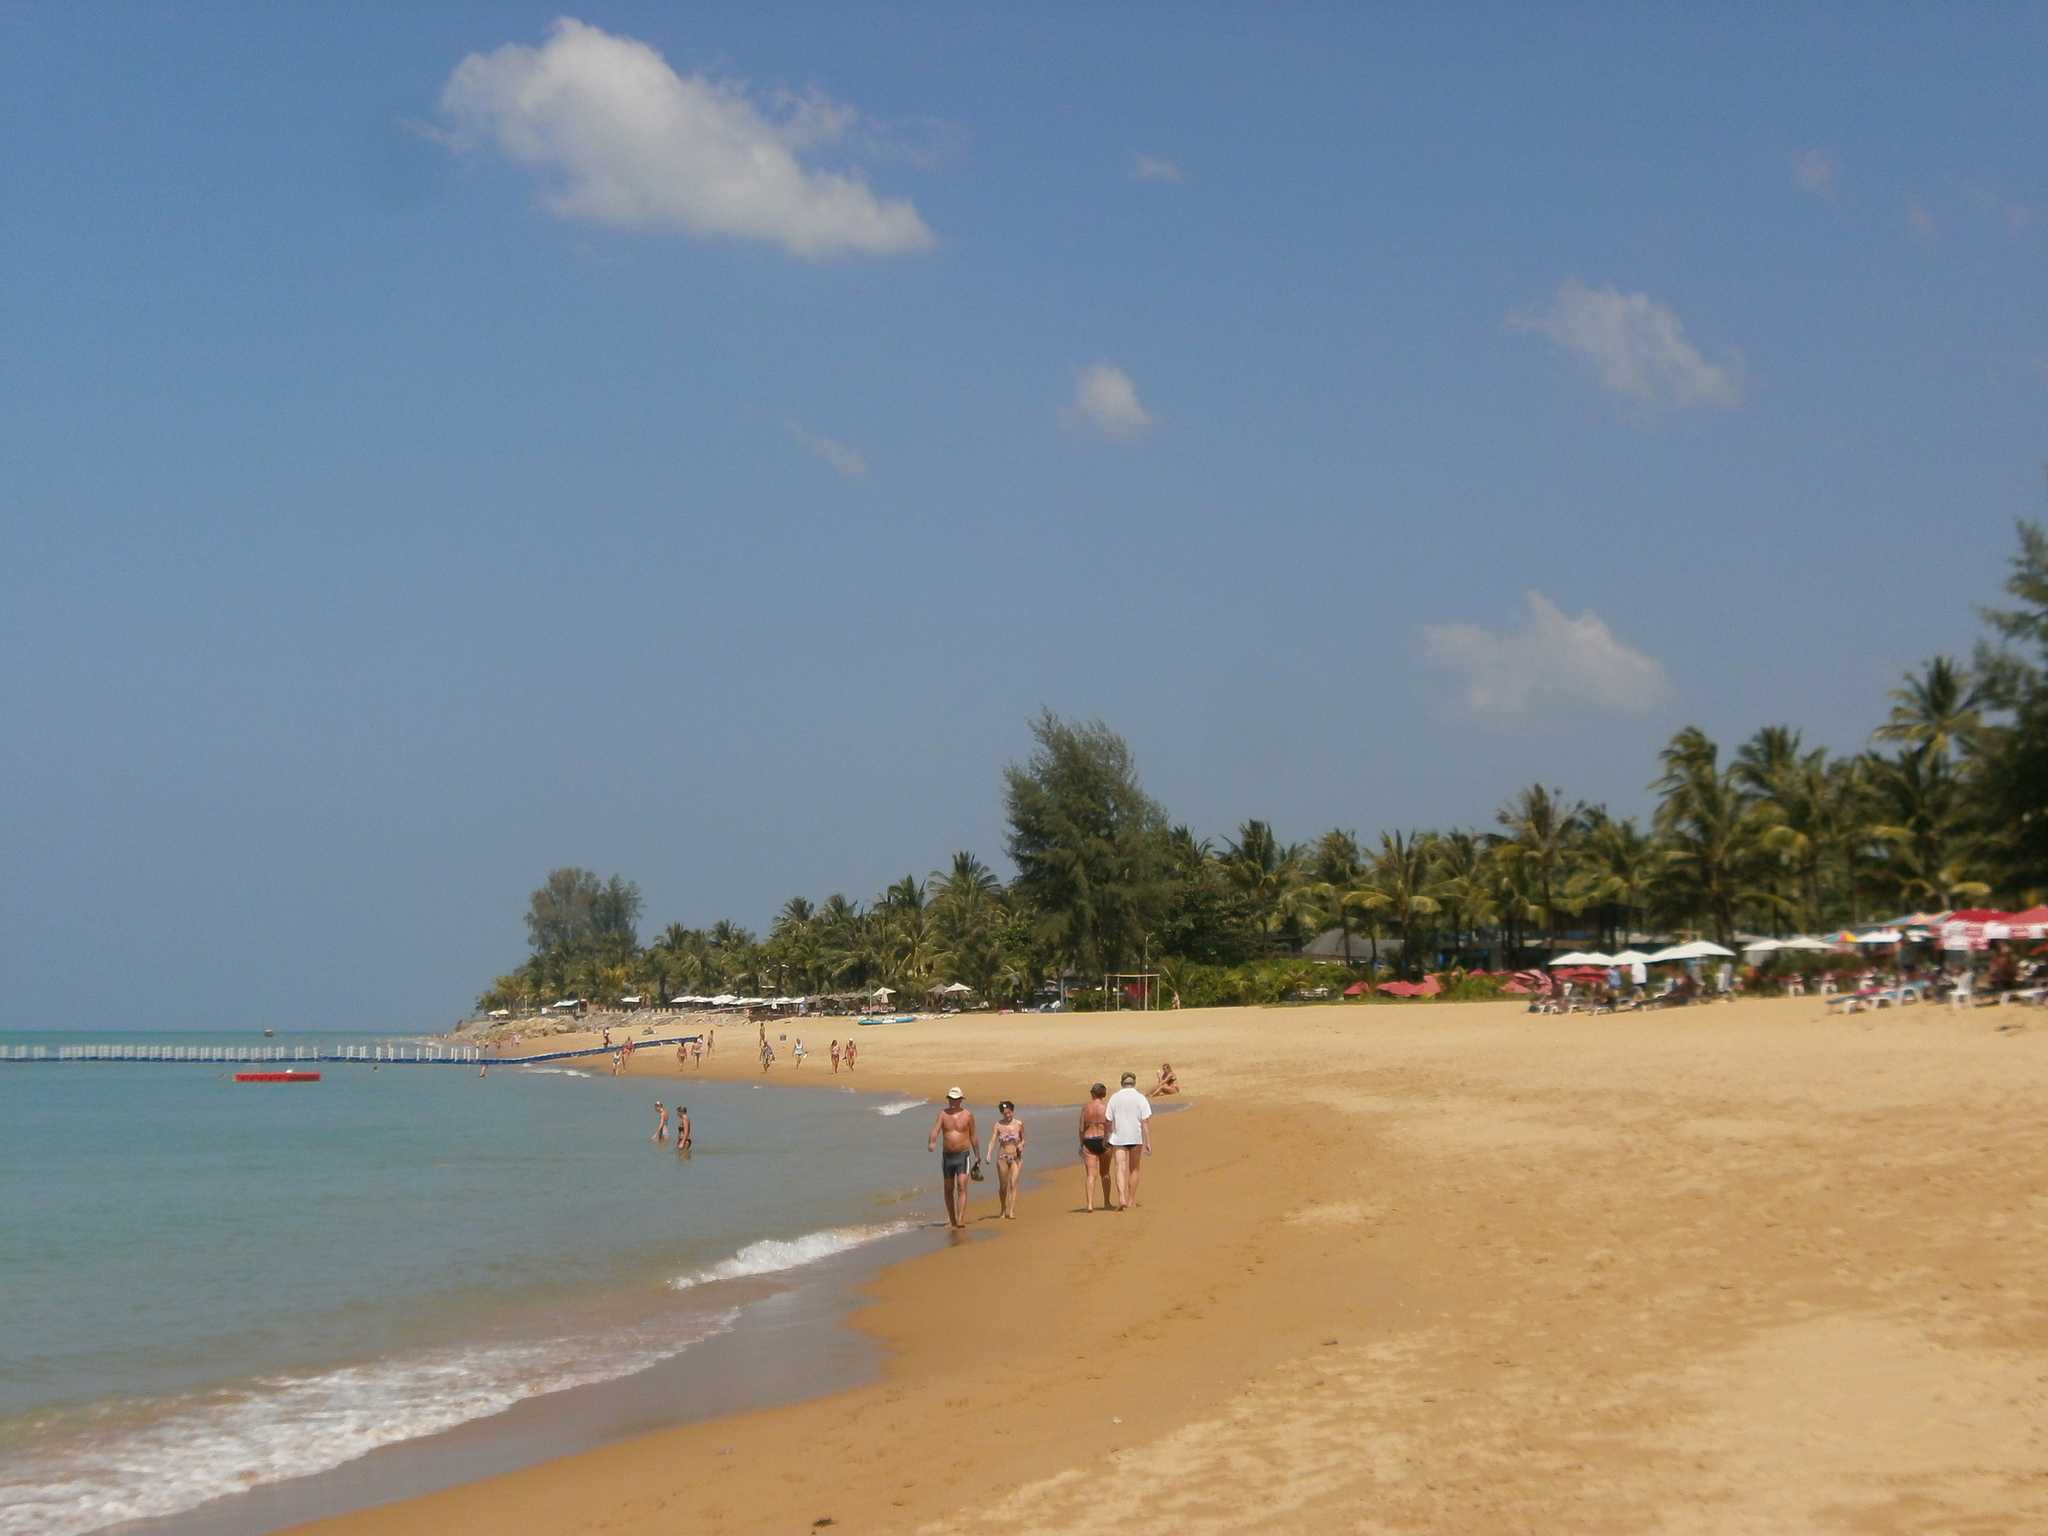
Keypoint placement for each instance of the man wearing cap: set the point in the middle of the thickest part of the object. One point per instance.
(1130, 1138)
(956, 1125)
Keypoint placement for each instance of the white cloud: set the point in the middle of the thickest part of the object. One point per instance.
(1152, 168)
(1545, 662)
(1636, 347)
(1106, 400)
(621, 138)
(1815, 171)
(847, 461)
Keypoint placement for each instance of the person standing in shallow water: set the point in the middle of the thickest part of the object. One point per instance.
(684, 1139)
(955, 1127)
(660, 1122)
(1095, 1146)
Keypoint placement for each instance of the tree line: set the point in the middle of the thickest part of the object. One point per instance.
(1947, 806)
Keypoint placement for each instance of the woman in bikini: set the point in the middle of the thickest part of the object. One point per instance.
(1095, 1145)
(1167, 1083)
(1006, 1151)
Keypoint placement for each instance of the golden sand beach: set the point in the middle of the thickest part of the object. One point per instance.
(1734, 1268)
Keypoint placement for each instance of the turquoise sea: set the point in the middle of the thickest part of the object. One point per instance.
(211, 1286)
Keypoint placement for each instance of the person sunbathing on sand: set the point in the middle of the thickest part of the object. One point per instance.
(1167, 1083)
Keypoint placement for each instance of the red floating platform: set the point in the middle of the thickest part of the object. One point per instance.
(277, 1077)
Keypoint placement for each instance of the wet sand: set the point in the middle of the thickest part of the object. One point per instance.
(1428, 1268)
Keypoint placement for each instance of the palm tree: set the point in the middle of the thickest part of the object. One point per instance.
(968, 882)
(1919, 812)
(1404, 880)
(1334, 868)
(1940, 709)
(1542, 828)
(1620, 867)
(1710, 834)
(1267, 873)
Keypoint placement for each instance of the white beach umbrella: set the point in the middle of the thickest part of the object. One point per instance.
(1631, 957)
(1762, 947)
(1880, 936)
(1583, 957)
(884, 993)
(1698, 949)
(1803, 942)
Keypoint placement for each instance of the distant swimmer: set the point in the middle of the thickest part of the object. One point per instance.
(1095, 1158)
(835, 1058)
(660, 1122)
(684, 1140)
(1006, 1150)
(955, 1125)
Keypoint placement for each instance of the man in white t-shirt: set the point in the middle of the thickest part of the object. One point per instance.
(1130, 1138)
(1638, 978)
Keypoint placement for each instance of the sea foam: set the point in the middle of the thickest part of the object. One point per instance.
(900, 1106)
(68, 1478)
(774, 1255)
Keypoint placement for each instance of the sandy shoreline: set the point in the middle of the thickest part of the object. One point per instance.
(1739, 1267)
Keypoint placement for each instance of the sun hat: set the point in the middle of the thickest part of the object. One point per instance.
(955, 1093)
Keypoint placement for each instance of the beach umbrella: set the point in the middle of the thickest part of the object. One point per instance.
(1582, 957)
(1358, 989)
(884, 993)
(1762, 947)
(1697, 949)
(1630, 957)
(1880, 936)
(1803, 942)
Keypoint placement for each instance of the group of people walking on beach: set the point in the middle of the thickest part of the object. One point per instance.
(1114, 1132)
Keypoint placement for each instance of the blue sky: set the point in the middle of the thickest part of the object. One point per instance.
(692, 443)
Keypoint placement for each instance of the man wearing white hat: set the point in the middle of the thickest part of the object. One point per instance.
(956, 1124)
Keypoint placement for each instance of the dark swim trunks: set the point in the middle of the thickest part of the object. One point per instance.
(951, 1163)
(1095, 1144)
